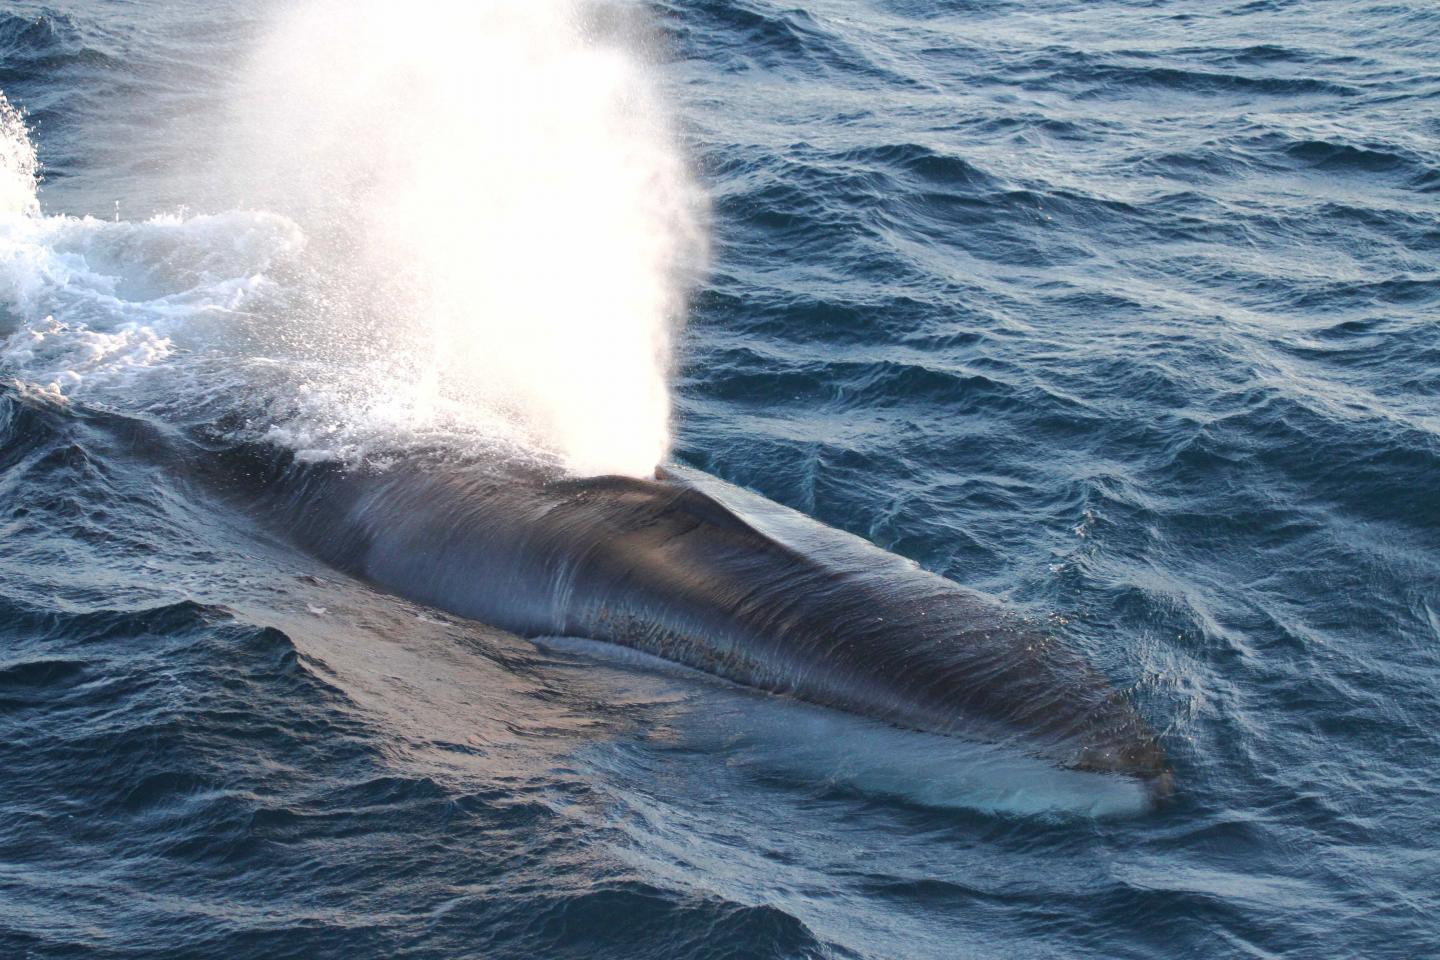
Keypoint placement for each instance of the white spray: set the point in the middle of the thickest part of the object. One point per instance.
(498, 217)
(19, 171)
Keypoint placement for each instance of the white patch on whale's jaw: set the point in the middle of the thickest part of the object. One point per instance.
(785, 740)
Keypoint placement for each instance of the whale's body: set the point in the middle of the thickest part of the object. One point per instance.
(698, 572)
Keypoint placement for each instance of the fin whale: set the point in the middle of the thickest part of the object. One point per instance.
(693, 570)
(684, 567)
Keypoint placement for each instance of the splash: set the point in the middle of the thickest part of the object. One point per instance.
(19, 169)
(500, 223)
(93, 308)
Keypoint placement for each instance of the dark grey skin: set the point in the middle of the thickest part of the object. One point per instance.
(693, 570)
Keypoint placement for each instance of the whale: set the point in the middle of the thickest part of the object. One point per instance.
(693, 570)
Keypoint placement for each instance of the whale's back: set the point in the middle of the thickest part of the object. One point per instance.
(694, 570)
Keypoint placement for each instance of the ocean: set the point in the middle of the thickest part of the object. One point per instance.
(1126, 312)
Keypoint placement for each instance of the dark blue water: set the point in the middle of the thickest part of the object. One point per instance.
(1125, 312)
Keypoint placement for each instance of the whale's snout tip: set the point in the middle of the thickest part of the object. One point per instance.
(1144, 761)
(1161, 789)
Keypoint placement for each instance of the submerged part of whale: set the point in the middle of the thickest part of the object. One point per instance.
(691, 569)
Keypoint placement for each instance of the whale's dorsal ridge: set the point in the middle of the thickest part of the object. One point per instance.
(672, 495)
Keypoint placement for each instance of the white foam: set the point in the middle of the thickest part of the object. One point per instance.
(90, 305)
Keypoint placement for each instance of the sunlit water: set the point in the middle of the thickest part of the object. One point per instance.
(1127, 313)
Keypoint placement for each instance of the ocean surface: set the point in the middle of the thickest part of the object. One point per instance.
(1127, 313)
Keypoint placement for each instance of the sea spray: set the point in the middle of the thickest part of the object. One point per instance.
(19, 170)
(500, 223)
